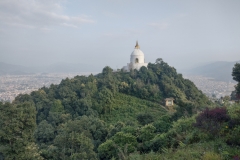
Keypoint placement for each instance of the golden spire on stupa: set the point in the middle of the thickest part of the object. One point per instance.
(137, 46)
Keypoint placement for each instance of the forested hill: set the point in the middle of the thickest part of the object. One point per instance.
(95, 117)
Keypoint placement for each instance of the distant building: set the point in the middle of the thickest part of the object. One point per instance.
(169, 102)
(136, 60)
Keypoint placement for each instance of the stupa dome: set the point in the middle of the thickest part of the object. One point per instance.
(137, 52)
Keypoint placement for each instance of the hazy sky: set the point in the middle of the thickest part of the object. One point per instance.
(104, 32)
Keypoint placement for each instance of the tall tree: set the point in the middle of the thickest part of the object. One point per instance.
(73, 146)
(236, 76)
(18, 123)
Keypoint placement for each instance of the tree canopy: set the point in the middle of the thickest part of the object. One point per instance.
(112, 115)
(236, 76)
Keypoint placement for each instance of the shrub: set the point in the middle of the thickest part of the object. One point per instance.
(106, 150)
(211, 156)
(236, 157)
(183, 125)
(129, 129)
(234, 111)
(233, 138)
(117, 128)
(145, 118)
(211, 120)
(146, 133)
(121, 139)
(163, 125)
(159, 142)
(233, 123)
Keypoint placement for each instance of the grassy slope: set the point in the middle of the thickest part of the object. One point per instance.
(126, 108)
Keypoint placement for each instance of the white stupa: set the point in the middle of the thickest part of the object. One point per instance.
(136, 59)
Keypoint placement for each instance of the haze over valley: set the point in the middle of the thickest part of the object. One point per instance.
(213, 78)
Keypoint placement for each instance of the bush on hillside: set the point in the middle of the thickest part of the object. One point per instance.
(163, 124)
(145, 118)
(211, 156)
(211, 120)
(233, 138)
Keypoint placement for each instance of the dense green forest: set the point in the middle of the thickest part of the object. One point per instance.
(120, 115)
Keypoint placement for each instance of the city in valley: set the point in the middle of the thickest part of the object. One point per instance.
(212, 87)
(13, 85)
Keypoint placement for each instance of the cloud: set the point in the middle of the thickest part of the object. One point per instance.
(111, 14)
(114, 35)
(38, 14)
(181, 15)
(45, 29)
(128, 32)
(69, 25)
(134, 31)
(161, 26)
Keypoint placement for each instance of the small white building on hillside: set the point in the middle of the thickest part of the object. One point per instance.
(136, 59)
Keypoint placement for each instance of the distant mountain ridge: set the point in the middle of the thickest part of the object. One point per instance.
(220, 70)
(6, 68)
(11, 69)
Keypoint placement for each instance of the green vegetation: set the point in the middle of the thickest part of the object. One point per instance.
(119, 115)
(18, 123)
(236, 76)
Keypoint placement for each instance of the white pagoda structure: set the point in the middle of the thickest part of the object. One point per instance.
(136, 59)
